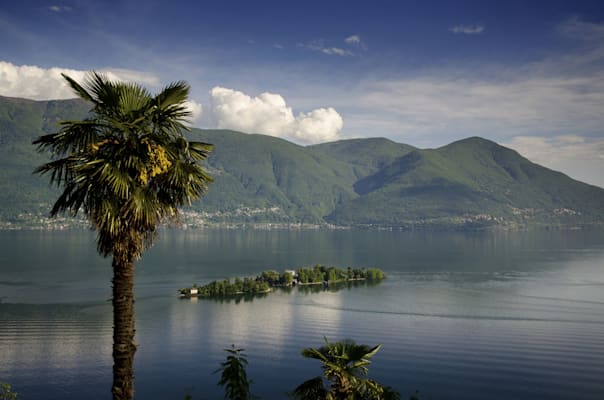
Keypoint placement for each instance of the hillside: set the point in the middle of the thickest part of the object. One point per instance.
(472, 183)
(21, 121)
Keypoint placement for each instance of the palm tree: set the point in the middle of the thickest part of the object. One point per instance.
(344, 367)
(128, 168)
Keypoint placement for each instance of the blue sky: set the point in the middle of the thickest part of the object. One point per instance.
(527, 74)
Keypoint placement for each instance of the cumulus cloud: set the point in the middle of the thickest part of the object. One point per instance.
(268, 113)
(196, 110)
(581, 157)
(32, 82)
(467, 29)
(36, 83)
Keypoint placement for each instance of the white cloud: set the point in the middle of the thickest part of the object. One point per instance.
(551, 97)
(443, 105)
(581, 157)
(196, 110)
(269, 114)
(36, 83)
(353, 40)
(32, 82)
(319, 125)
(129, 75)
(336, 51)
(319, 46)
(467, 29)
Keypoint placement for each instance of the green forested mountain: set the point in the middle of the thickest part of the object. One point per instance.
(21, 121)
(471, 183)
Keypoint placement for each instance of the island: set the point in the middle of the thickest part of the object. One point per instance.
(270, 279)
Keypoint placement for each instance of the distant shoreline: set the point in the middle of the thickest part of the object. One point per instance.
(64, 223)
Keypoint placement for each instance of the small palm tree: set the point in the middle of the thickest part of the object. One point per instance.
(233, 375)
(128, 168)
(344, 367)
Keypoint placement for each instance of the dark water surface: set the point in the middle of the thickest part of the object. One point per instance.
(517, 315)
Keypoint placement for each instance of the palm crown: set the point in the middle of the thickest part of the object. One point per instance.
(127, 166)
(345, 365)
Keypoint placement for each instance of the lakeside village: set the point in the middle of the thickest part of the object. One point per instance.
(270, 279)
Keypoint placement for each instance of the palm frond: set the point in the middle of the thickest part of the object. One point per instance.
(199, 150)
(312, 389)
(78, 89)
(175, 94)
(74, 136)
(134, 99)
(105, 93)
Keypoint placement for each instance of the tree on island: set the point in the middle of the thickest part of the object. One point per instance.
(127, 167)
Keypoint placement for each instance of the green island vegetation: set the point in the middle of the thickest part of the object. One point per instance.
(269, 279)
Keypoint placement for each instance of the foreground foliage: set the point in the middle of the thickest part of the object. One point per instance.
(6, 392)
(345, 366)
(128, 168)
(233, 375)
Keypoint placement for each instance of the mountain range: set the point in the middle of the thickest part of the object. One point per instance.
(469, 184)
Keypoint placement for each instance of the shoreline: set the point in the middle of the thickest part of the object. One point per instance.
(419, 226)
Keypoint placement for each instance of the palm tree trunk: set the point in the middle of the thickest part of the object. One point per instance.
(124, 346)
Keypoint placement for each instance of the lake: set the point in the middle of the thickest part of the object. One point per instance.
(502, 315)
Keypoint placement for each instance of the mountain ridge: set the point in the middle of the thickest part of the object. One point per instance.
(374, 182)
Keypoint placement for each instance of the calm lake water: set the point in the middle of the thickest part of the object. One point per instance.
(516, 315)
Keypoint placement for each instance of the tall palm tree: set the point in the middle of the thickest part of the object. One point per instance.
(128, 168)
(344, 367)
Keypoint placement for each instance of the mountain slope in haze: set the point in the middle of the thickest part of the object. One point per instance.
(363, 156)
(471, 183)
(261, 172)
(21, 121)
